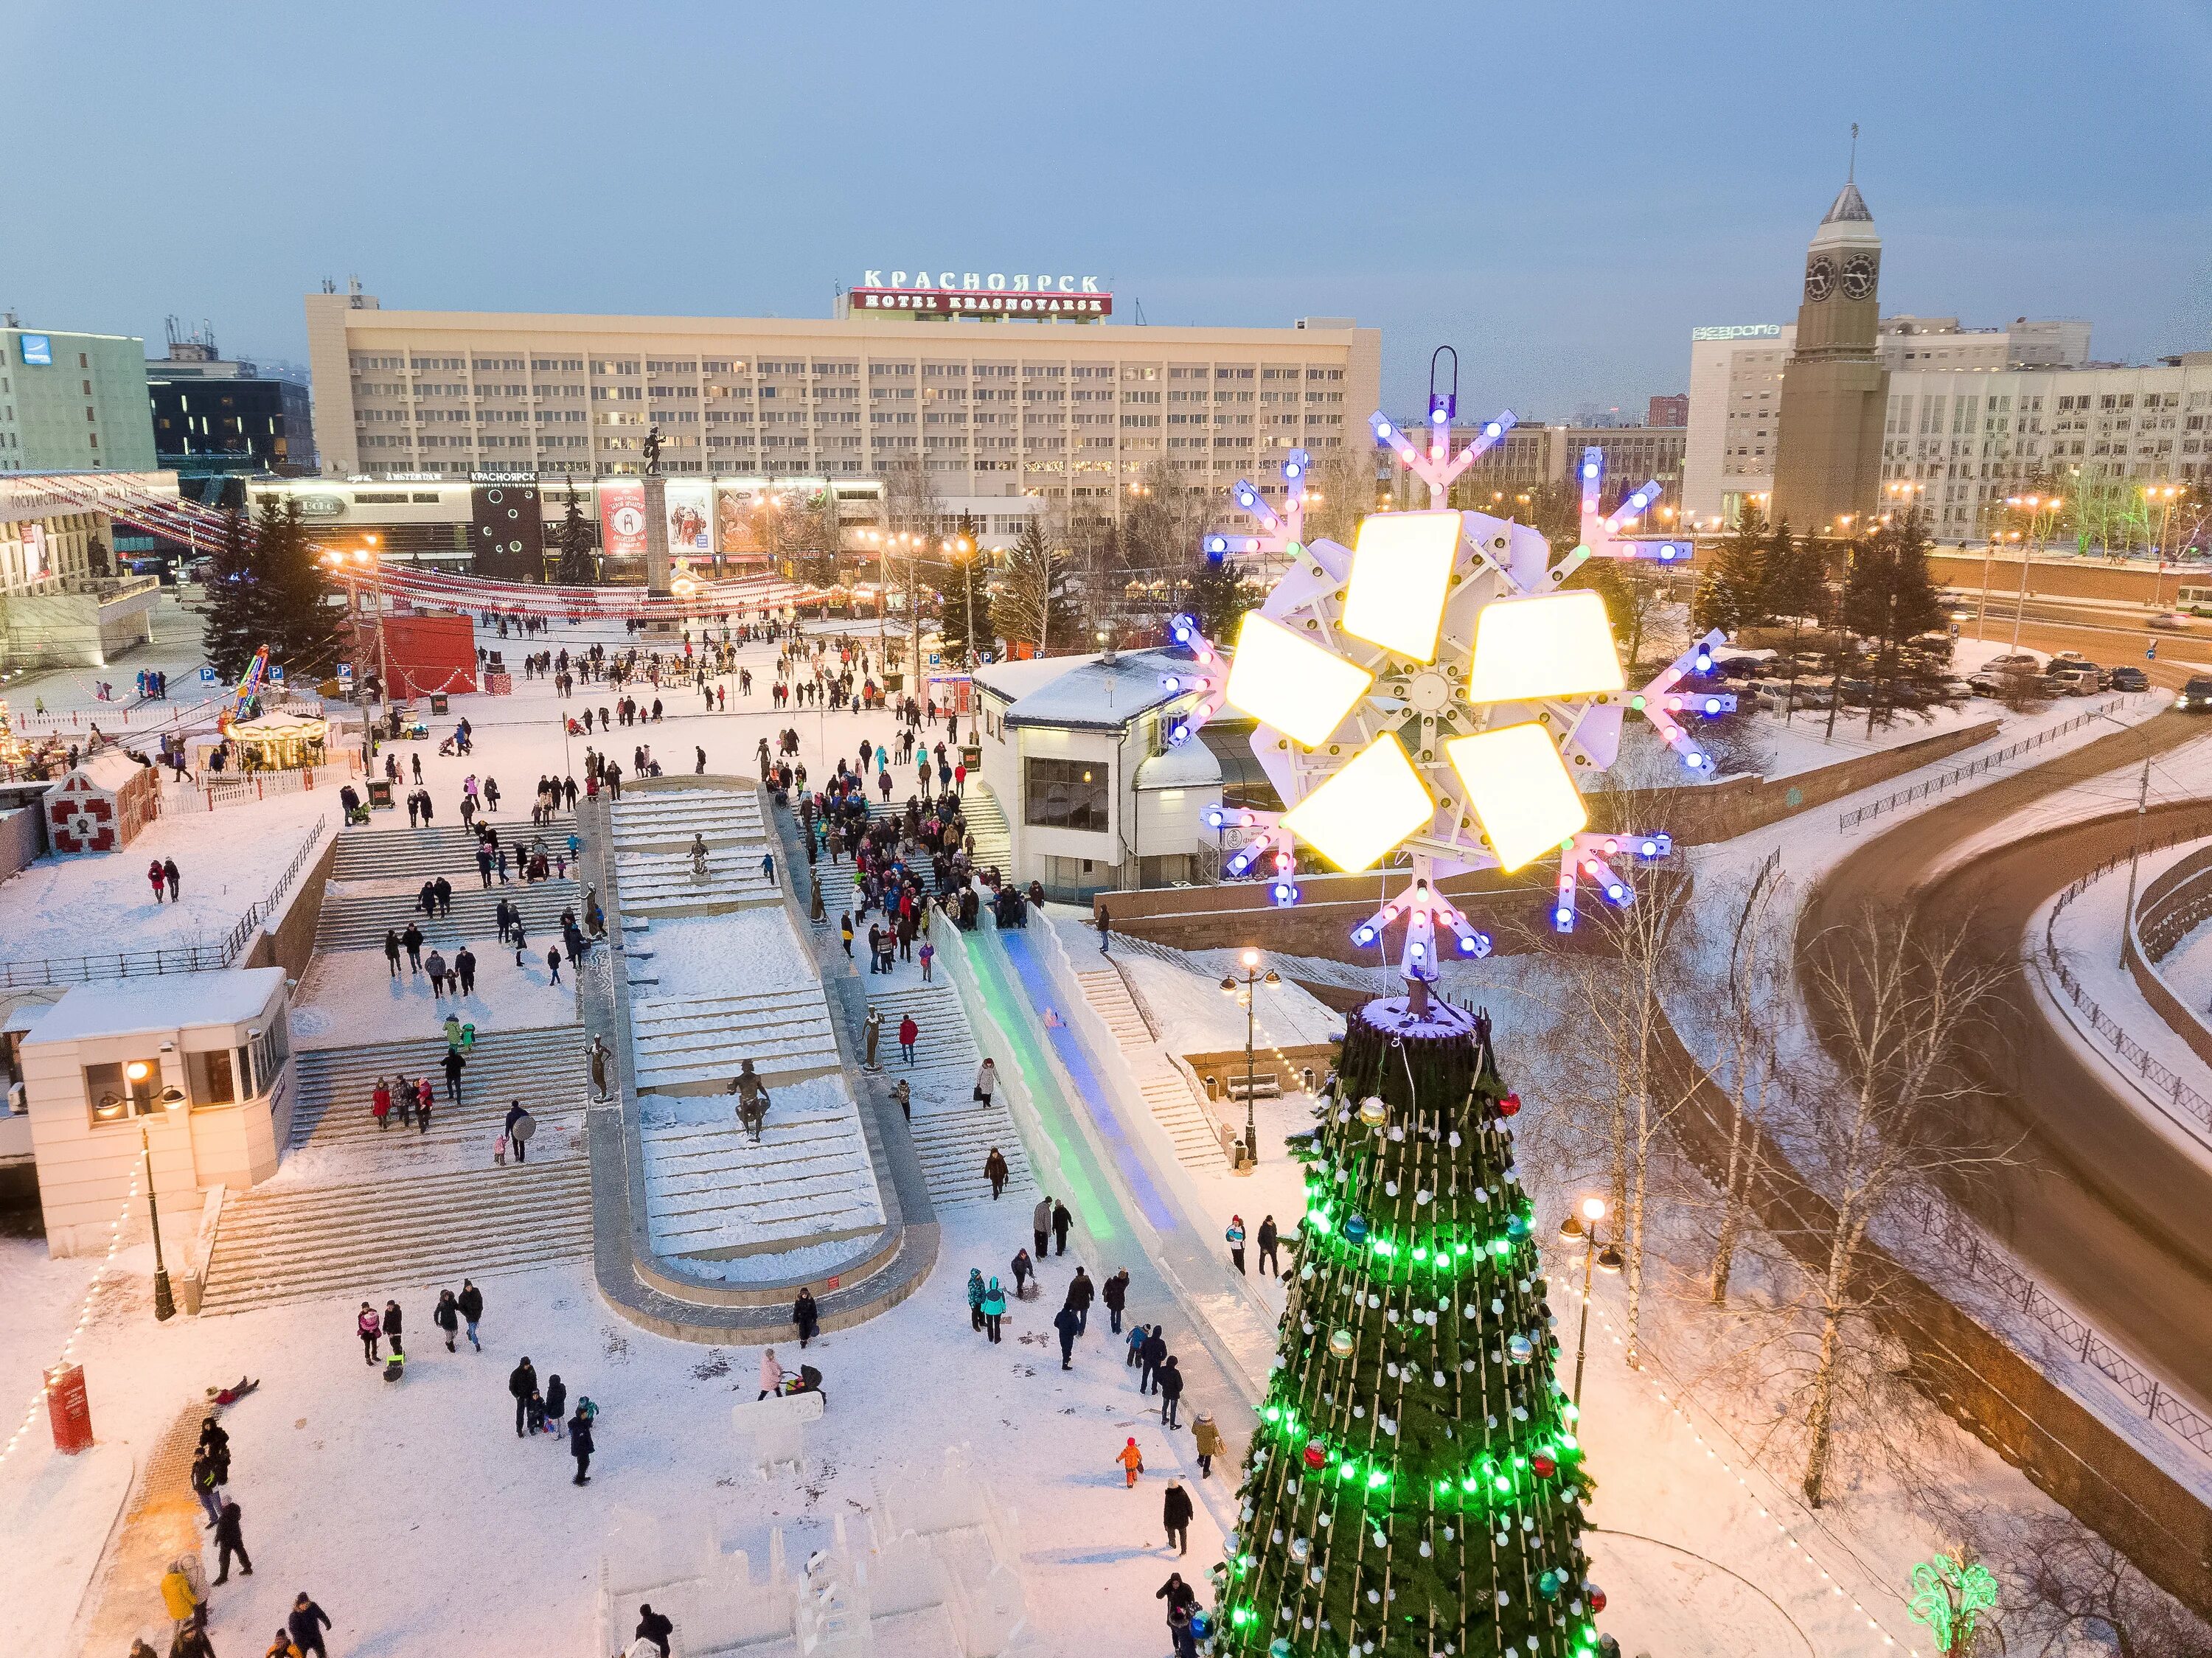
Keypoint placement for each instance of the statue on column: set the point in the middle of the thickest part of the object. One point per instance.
(653, 444)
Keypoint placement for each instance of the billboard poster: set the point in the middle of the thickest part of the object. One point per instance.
(621, 517)
(690, 516)
(735, 529)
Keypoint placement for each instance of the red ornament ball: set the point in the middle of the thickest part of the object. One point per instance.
(1596, 1597)
(1544, 1466)
(1510, 1106)
(1316, 1453)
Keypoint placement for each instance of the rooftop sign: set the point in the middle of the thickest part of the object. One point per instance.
(977, 293)
(1740, 331)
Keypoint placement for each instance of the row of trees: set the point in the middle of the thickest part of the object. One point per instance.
(1867, 607)
(266, 586)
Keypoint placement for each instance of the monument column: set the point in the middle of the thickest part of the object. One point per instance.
(657, 572)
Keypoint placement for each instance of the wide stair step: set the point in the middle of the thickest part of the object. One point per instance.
(1166, 1092)
(279, 1243)
(360, 920)
(379, 853)
(544, 1068)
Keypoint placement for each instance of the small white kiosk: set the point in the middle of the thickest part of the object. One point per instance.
(194, 1067)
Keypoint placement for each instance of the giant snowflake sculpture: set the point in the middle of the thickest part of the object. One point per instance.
(1437, 687)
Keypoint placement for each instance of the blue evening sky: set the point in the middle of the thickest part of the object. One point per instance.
(1561, 192)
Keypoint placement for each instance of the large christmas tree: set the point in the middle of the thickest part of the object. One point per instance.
(1415, 1486)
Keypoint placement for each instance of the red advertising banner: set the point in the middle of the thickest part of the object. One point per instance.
(622, 518)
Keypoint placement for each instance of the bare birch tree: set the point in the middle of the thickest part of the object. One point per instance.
(1906, 999)
(1747, 1068)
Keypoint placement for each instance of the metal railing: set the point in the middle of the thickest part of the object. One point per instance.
(183, 958)
(1962, 1241)
(1973, 768)
(2154, 1074)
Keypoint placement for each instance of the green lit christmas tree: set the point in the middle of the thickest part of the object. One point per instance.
(1415, 1487)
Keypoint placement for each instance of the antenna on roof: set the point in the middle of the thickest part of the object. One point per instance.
(1851, 175)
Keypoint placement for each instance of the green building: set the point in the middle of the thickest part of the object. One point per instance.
(73, 403)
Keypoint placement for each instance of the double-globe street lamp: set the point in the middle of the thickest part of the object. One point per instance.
(1242, 989)
(1583, 1229)
(139, 1073)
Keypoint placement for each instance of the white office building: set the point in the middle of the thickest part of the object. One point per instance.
(1735, 390)
(1065, 408)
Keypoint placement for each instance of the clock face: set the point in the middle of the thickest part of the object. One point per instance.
(1820, 278)
(1858, 275)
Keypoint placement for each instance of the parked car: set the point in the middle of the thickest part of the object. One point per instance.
(2172, 620)
(2195, 696)
(2017, 660)
(2072, 679)
(2129, 679)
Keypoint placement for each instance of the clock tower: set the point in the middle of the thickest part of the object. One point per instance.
(1828, 468)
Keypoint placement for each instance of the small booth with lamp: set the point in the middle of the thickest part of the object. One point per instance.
(184, 1079)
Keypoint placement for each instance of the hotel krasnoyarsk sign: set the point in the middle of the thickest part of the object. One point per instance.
(976, 293)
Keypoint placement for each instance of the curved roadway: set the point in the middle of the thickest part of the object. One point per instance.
(2100, 1205)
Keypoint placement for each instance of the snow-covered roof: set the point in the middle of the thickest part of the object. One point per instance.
(280, 725)
(1011, 681)
(168, 1001)
(1190, 765)
(110, 771)
(1097, 694)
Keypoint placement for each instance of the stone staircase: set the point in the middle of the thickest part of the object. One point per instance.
(986, 822)
(952, 1135)
(1166, 1092)
(544, 1068)
(694, 1044)
(373, 1239)
(664, 820)
(448, 849)
(354, 919)
(660, 883)
(710, 1188)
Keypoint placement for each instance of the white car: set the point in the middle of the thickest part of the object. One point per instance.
(2172, 621)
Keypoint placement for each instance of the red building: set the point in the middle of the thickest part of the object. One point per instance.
(423, 651)
(101, 804)
(1673, 411)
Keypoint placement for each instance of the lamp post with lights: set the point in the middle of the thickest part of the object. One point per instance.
(1242, 989)
(1582, 1228)
(137, 1072)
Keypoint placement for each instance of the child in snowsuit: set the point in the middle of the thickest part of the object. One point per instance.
(1133, 1462)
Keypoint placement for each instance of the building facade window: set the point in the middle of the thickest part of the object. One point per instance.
(1066, 794)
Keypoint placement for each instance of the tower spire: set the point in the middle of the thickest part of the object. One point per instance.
(1851, 175)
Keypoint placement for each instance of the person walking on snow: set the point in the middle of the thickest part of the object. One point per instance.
(1269, 1238)
(1023, 1269)
(522, 1383)
(471, 1304)
(987, 1083)
(1206, 1439)
(379, 1103)
(908, 1034)
(447, 1315)
(1041, 1224)
(1236, 1236)
(1105, 930)
(1152, 1355)
(1080, 1293)
(994, 1309)
(996, 1172)
(580, 1445)
(1133, 1462)
(392, 1324)
(229, 1540)
(307, 1625)
(370, 1328)
(1175, 1514)
(391, 951)
(1139, 1334)
(517, 1138)
(1061, 1220)
(1116, 1294)
(806, 1316)
(771, 1374)
(453, 1063)
(1069, 1323)
(976, 1299)
(154, 879)
(1170, 1392)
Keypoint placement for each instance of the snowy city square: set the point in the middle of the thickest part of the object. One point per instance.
(1232, 944)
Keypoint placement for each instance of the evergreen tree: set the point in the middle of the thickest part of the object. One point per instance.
(1890, 602)
(234, 629)
(1034, 606)
(573, 539)
(1796, 590)
(292, 602)
(1219, 597)
(968, 583)
(1416, 1484)
(1733, 595)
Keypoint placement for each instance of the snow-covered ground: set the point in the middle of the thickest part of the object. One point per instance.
(420, 1523)
(350, 996)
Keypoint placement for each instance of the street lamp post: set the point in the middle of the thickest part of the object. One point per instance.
(139, 1071)
(1242, 989)
(1584, 1227)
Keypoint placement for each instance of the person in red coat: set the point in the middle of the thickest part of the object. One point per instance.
(908, 1034)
